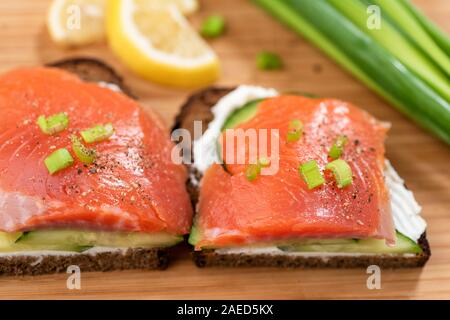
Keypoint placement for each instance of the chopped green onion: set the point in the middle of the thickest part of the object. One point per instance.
(264, 162)
(341, 171)
(295, 125)
(293, 136)
(213, 26)
(295, 131)
(311, 174)
(53, 124)
(85, 155)
(268, 61)
(58, 160)
(97, 133)
(252, 171)
(338, 147)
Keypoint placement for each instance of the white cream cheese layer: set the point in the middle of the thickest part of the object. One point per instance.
(111, 86)
(275, 251)
(205, 147)
(405, 210)
(41, 253)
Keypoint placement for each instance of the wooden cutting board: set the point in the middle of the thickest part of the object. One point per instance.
(420, 158)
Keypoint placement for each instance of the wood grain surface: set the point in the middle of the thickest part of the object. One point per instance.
(420, 158)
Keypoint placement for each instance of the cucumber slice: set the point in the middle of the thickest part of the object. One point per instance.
(241, 115)
(98, 238)
(18, 247)
(8, 238)
(302, 93)
(362, 246)
(403, 245)
(195, 235)
(78, 241)
(337, 241)
(11, 242)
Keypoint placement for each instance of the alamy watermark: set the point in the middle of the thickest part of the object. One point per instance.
(374, 280)
(74, 280)
(73, 17)
(374, 17)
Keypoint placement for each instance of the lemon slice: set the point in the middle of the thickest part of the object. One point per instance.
(76, 22)
(186, 7)
(159, 44)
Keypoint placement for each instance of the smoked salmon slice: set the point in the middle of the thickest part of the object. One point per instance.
(233, 211)
(133, 184)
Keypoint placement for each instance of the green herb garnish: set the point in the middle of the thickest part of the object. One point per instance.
(341, 171)
(295, 131)
(213, 27)
(338, 147)
(85, 155)
(58, 160)
(311, 174)
(53, 124)
(97, 133)
(268, 61)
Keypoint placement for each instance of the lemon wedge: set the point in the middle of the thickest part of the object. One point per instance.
(158, 43)
(76, 22)
(186, 7)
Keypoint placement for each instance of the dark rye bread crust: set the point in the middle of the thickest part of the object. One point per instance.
(90, 70)
(138, 258)
(198, 107)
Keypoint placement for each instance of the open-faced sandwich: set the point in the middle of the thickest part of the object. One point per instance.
(86, 176)
(322, 194)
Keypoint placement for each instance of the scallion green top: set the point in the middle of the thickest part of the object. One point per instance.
(213, 26)
(97, 133)
(295, 130)
(58, 160)
(85, 155)
(53, 124)
(341, 171)
(338, 147)
(311, 174)
(268, 61)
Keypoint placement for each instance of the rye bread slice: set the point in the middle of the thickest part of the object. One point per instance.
(90, 70)
(139, 258)
(198, 107)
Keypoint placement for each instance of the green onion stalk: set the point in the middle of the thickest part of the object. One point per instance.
(407, 60)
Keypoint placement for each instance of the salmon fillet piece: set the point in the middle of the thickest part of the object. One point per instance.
(133, 184)
(234, 211)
